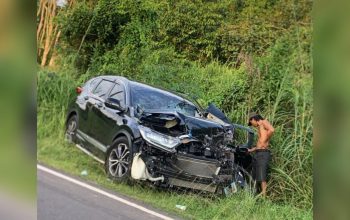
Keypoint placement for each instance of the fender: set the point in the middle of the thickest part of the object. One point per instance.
(70, 112)
(125, 133)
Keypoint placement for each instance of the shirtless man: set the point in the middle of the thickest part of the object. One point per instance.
(262, 155)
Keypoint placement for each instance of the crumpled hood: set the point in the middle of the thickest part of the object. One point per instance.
(193, 126)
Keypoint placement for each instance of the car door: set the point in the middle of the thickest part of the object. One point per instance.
(83, 101)
(94, 106)
(106, 120)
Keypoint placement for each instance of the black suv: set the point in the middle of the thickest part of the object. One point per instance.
(145, 133)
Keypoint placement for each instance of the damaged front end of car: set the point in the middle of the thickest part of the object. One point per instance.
(192, 152)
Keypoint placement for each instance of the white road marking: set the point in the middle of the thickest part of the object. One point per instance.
(87, 186)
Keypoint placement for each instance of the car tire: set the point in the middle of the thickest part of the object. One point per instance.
(118, 160)
(71, 129)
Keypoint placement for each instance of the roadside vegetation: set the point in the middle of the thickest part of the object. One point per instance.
(240, 55)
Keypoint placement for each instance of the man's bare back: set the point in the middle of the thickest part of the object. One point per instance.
(265, 131)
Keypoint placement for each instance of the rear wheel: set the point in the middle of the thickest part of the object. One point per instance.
(118, 160)
(71, 129)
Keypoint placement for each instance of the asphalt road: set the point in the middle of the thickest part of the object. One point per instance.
(62, 199)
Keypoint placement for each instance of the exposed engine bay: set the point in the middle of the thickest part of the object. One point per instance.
(197, 152)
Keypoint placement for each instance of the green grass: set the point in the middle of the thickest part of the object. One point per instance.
(56, 153)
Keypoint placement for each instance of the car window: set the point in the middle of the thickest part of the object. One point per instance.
(91, 84)
(102, 89)
(118, 93)
(94, 82)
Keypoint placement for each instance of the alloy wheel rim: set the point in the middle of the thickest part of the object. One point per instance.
(119, 160)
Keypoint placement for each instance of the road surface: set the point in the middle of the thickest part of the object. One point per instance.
(61, 197)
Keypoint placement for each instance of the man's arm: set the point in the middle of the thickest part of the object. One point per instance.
(251, 149)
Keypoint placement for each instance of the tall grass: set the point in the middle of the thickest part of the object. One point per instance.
(55, 91)
(291, 177)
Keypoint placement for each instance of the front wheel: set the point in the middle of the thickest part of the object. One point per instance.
(118, 160)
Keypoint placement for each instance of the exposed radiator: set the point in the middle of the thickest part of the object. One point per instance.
(191, 185)
(197, 167)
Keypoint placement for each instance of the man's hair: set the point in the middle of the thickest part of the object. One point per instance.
(257, 117)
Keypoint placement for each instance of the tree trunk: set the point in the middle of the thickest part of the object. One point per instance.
(48, 32)
(51, 12)
(53, 56)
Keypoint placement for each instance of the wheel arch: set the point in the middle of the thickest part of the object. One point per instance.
(122, 133)
(69, 115)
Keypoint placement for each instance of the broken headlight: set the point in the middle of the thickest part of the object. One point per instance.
(158, 139)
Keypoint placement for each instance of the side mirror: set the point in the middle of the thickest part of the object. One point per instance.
(114, 104)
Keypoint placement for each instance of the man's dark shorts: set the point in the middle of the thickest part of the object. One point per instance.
(261, 161)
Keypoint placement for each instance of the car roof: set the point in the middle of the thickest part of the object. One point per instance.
(113, 78)
(127, 82)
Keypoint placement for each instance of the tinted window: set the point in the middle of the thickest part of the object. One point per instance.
(102, 89)
(94, 82)
(91, 84)
(118, 93)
